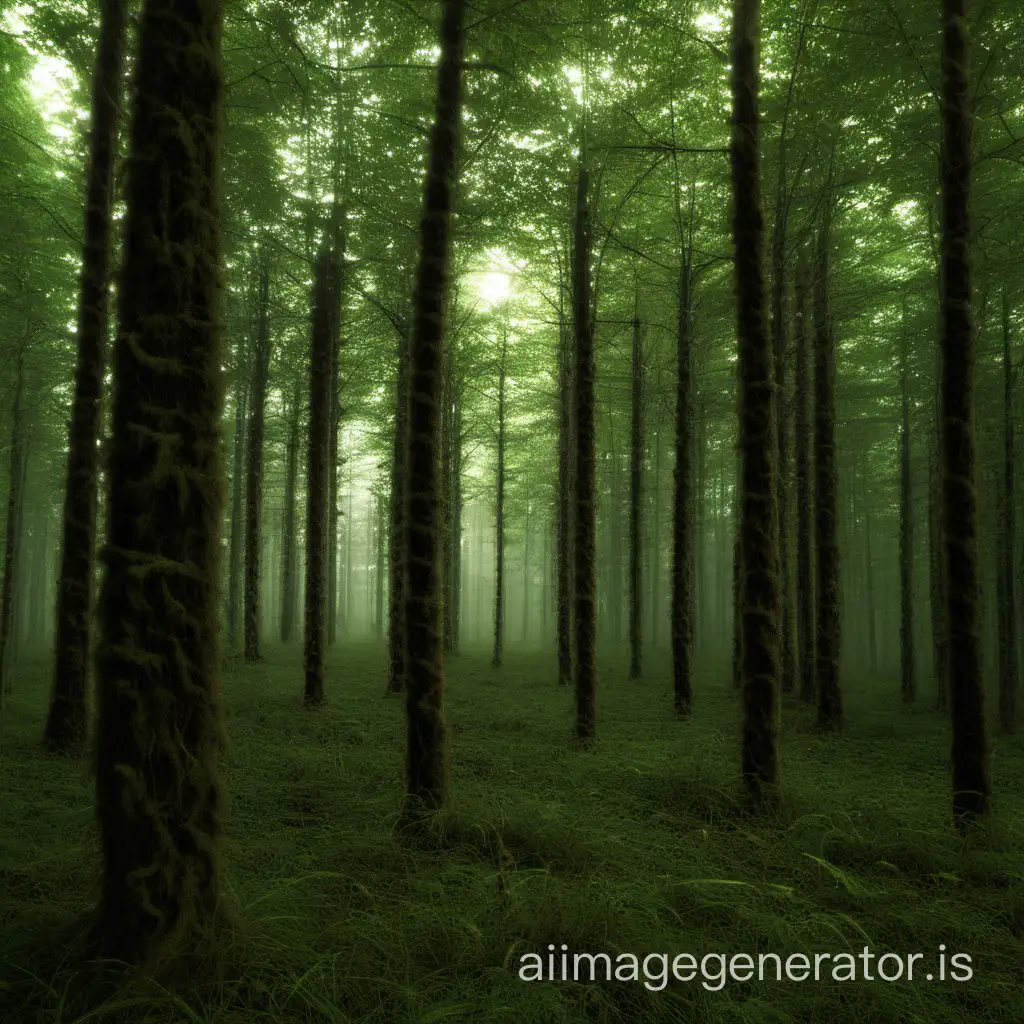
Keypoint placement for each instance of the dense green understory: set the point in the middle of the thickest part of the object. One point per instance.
(637, 844)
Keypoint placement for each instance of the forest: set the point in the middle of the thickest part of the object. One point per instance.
(508, 511)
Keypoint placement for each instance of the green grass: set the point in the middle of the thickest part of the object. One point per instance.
(637, 844)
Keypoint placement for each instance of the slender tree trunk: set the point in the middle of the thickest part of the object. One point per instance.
(455, 553)
(236, 548)
(1007, 545)
(682, 513)
(66, 721)
(317, 477)
(937, 581)
(761, 612)
(804, 496)
(563, 510)
(289, 553)
(971, 785)
(12, 534)
(869, 589)
(446, 496)
(656, 537)
(636, 497)
(499, 524)
(908, 669)
(584, 604)
(826, 516)
(396, 559)
(254, 470)
(379, 560)
(159, 798)
(425, 761)
(526, 574)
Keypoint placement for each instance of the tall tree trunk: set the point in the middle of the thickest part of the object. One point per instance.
(159, 798)
(908, 668)
(761, 612)
(682, 512)
(380, 511)
(564, 543)
(425, 760)
(655, 582)
(396, 553)
(636, 497)
(971, 785)
(12, 533)
(289, 553)
(584, 527)
(66, 721)
(804, 495)
(1007, 546)
(446, 495)
(317, 476)
(254, 469)
(499, 520)
(826, 515)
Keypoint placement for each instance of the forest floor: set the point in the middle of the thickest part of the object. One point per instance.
(639, 844)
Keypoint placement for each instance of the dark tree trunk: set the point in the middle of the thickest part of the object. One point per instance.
(655, 582)
(333, 459)
(289, 554)
(826, 514)
(682, 512)
(564, 543)
(254, 470)
(908, 668)
(779, 348)
(584, 604)
(12, 532)
(66, 721)
(321, 377)
(760, 601)
(804, 495)
(446, 495)
(636, 497)
(396, 553)
(159, 798)
(971, 785)
(425, 760)
(380, 510)
(1007, 546)
(499, 521)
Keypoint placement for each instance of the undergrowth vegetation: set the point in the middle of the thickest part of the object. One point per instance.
(639, 843)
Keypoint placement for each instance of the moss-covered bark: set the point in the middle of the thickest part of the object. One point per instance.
(236, 561)
(425, 750)
(254, 469)
(804, 494)
(585, 512)
(321, 354)
(66, 722)
(159, 798)
(971, 785)
(636, 498)
(760, 607)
